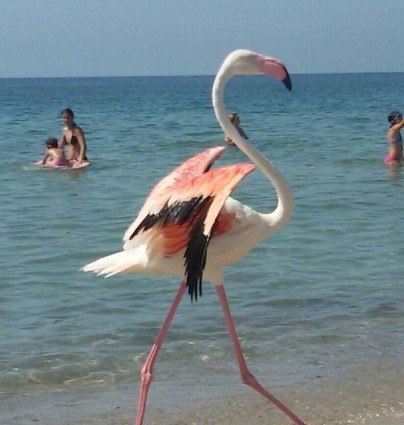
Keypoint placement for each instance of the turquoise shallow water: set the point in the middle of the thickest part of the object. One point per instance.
(319, 300)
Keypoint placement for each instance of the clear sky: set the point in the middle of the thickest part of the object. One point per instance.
(57, 38)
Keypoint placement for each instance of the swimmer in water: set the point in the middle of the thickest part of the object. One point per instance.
(235, 120)
(73, 138)
(395, 154)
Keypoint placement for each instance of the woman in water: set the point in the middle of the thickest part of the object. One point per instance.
(395, 155)
(73, 138)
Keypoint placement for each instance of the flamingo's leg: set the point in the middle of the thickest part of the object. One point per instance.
(246, 376)
(147, 370)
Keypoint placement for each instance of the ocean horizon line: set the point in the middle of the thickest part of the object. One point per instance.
(187, 75)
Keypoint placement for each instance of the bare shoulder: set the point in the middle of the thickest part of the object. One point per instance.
(78, 130)
(53, 153)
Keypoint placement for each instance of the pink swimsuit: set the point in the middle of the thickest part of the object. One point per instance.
(390, 158)
(59, 163)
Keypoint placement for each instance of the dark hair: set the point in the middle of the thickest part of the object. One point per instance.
(67, 111)
(393, 115)
(51, 142)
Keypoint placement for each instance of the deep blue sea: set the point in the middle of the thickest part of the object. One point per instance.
(317, 304)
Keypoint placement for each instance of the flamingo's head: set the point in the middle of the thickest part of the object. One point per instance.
(247, 62)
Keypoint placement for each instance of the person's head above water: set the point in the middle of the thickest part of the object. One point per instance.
(67, 111)
(51, 142)
(234, 118)
(67, 116)
(394, 116)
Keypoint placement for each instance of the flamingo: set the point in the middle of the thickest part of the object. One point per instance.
(190, 227)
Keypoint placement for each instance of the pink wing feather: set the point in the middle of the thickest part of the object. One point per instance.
(192, 167)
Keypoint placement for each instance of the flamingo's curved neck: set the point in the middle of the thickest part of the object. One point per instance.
(281, 215)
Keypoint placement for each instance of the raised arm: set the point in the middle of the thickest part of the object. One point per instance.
(394, 130)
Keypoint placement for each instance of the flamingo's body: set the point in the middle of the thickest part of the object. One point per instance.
(190, 200)
(190, 227)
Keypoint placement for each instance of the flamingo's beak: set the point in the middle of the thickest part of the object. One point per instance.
(274, 68)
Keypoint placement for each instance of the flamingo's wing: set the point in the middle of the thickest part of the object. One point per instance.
(189, 218)
(158, 197)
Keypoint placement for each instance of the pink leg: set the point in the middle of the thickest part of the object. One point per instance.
(147, 370)
(246, 376)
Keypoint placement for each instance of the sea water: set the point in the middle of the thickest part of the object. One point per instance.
(320, 301)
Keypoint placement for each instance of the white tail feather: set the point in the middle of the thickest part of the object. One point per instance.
(120, 262)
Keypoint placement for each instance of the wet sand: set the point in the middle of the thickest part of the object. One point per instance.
(353, 401)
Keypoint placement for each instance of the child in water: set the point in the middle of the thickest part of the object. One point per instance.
(395, 155)
(54, 155)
